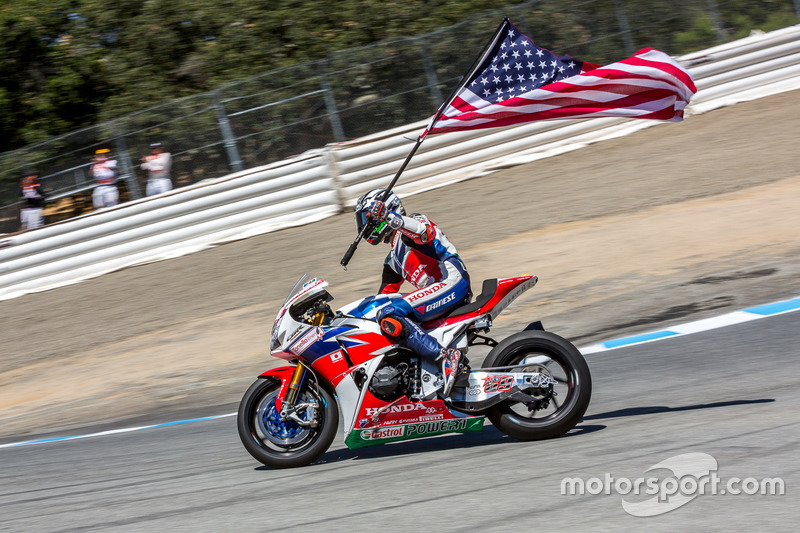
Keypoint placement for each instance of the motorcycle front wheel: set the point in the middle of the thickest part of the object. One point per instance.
(285, 443)
(550, 411)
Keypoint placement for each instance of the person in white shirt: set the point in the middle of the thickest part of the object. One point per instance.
(158, 165)
(104, 172)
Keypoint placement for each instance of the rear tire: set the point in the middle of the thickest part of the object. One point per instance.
(548, 353)
(285, 444)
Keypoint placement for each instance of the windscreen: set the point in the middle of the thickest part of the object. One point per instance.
(297, 287)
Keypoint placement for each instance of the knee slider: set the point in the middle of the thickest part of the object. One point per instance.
(392, 327)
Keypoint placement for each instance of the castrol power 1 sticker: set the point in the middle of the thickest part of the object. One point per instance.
(358, 438)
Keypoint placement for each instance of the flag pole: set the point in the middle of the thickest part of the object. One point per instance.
(465, 78)
(352, 249)
(439, 112)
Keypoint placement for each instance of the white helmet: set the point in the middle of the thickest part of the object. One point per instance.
(381, 232)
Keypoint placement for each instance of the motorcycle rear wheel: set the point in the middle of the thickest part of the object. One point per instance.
(285, 444)
(549, 353)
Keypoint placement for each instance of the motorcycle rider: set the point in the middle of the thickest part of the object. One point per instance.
(422, 255)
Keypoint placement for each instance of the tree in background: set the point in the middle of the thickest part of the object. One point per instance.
(65, 64)
(50, 80)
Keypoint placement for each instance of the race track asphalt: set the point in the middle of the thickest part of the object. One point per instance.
(730, 393)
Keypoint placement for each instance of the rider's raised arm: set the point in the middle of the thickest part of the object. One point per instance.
(417, 227)
(390, 280)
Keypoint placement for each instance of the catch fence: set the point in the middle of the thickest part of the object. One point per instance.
(350, 94)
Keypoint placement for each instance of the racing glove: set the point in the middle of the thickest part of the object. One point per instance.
(378, 211)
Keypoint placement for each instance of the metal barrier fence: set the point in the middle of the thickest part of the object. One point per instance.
(350, 94)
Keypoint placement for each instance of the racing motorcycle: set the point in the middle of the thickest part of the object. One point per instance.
(532, 385)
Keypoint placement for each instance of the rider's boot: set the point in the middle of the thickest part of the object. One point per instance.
(451, 359)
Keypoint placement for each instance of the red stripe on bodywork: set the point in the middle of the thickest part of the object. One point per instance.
(504, 286)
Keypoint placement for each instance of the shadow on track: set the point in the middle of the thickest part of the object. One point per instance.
(488, 437)
(492, 436)
(655, 409)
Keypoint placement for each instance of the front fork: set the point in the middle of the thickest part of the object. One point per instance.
(286, 402)
(295, 384)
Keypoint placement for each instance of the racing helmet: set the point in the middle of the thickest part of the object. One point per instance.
(382, 232)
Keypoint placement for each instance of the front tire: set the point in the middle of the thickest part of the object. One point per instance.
(285, 444)
(558, 408)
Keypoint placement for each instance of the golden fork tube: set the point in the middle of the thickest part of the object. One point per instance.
(294, 385)
(300, 371)
(318, 318)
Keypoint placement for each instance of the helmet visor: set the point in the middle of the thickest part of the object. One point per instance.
(361, 220)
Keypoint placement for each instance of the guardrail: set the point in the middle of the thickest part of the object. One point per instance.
(323, 182)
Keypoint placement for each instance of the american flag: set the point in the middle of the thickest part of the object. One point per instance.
(515, 81)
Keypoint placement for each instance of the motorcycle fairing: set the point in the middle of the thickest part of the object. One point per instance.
(364, 342)
(357, 403)
(286, 322)
(402, 411)
(326, 343)
(345, 349)
(353, 345)
(350, 396)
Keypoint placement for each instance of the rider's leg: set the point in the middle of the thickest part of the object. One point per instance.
(400, 321)
(407, 333)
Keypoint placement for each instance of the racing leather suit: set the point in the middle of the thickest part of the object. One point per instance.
(422, 255)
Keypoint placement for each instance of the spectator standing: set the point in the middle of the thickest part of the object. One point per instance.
(31, 215)
(104, 172)
(157, 165)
